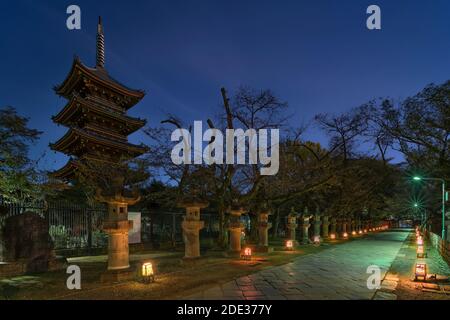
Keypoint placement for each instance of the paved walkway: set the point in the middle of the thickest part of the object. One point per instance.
(336, 273)
(401, 276)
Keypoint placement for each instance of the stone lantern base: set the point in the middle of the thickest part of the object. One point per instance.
(118, 252)
(118, 275)
(263, 249)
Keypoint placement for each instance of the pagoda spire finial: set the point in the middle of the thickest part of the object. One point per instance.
(100, 63)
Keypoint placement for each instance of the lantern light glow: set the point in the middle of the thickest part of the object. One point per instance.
(420, 252)
(147, 274)
(316, 239)
(332, 236)
(421, 271)
(289, 244)
(247, 255)
(420, 241)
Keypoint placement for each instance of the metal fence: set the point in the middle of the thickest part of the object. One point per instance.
(165, 227)
(70, 225)
(77, 226)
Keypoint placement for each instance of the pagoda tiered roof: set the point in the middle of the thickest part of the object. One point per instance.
(78, 109)
(67, 172)
(84, 79)
(96, 116)
(78, 142)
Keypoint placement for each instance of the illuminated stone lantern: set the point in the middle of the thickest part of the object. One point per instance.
(421, 251)
(289, 244)
(344, 228)
(305, 226)
(338, 227)
(246, 254)
(352, 224)
(420, 271)
(358, 226)
(317, 224)
(333, 228)
(236, 227)
(191, 227)
(366, 225)
(263, 231)
(147, 272)
(325, 226)
(420, 241)
(292, 226)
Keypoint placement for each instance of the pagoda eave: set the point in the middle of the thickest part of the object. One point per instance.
(67, 172)
(78, 107)
(80, 73)
(71, 140)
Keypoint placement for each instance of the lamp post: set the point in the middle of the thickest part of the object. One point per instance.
(417, 178)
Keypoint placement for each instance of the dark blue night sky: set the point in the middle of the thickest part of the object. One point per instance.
(317, 55)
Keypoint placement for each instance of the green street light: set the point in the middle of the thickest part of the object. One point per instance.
(417, 178)
(416, 205)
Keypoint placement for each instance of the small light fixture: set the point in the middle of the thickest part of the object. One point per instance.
(247, 255)
(365, 230)
(332, 236)
(289, 244)
(353, 233)
(147, 272)
(420, 241)
(421, 271)
(360, 232)
(420, 252)
(316, 239)
(345, 235)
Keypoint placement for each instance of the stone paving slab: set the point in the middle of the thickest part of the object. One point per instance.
(338, 273)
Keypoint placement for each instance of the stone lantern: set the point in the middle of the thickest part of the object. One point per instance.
(191, 226)
(333, 227)
(317, 224)
(117, 227)
(359, 227)
(305, 226)
(263, 231)
(339, 226)
(352, 225)
(325, 225)
(344, 230)
(235, 226)
(292, 226)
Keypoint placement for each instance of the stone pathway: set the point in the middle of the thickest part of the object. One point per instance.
(402, 272)
(338, 273)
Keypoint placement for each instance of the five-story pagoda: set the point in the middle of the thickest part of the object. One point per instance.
(96, 116)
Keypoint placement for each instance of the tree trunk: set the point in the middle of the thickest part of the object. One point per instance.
(222, 239)
(276, 223)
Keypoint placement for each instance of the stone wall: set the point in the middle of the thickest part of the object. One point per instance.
(442, 246)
